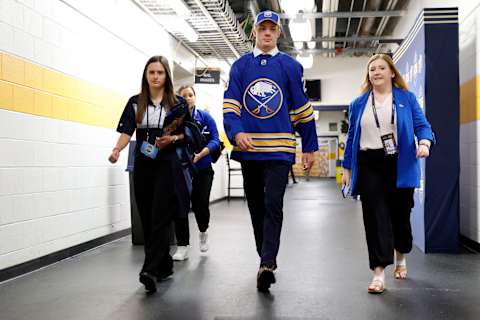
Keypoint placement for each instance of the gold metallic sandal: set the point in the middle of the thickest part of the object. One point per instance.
(377, 286)
(400, 272)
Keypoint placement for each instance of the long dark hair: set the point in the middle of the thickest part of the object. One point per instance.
(168, 92)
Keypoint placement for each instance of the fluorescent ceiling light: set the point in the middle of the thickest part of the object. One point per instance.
(305, 60)
(175, 24)
(178, 6)
(300, 29)
(311, 44)
(298, 45)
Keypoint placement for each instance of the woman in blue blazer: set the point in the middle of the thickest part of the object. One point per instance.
(387, 134)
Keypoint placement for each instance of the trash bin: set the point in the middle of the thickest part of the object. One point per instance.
(338, 172)
(137, 230)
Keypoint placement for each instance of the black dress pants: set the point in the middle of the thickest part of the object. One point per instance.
(264, 184)
(201, 187)
(156, 202)
(386, 208)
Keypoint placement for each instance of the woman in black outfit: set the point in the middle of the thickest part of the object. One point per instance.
(161, 187)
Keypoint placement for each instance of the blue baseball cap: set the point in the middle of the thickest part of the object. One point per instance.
(267, 15)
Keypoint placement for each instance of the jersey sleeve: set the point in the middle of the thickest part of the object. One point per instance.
(232, 106)
(301, 111)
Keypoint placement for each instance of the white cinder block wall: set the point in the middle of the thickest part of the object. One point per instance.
(469, 125)
(210, 98)
(340, 77)
(324, 120)
(56, 187)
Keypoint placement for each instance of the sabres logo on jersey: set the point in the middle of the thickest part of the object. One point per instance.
(263, 98)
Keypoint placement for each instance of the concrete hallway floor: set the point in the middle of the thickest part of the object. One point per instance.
(323, 274)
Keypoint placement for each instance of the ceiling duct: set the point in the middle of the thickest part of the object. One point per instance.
(383, 23)
(329, 25)
(366, 24)
(219, 33)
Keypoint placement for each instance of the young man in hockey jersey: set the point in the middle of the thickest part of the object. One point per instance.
(263, 106)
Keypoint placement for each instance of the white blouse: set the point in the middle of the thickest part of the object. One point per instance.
(156, 116)
(370, 134)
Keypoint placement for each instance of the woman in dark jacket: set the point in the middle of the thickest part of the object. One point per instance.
(161, 187)
(387, 134)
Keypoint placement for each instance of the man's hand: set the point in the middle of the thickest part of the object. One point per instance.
(308, 160)
(244, 141)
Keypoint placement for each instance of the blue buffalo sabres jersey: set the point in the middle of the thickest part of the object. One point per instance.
(266, 99)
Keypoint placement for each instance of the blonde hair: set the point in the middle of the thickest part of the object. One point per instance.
(397, 79)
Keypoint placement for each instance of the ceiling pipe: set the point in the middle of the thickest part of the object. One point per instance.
(368, 23)
(253, 7)
(383, 23)
(275, 5)
(333, 24)
(348, 24)
(329, 25)
(214, 23)
(325, 24)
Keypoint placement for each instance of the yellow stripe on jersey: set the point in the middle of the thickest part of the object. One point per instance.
(231, 110)
(268, 149)
(233, 101)
(306, 119)
(301, 109)
(232, 106)
(274, 143)
(276, 135)
(302, 116)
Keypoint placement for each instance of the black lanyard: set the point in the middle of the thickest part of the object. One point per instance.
(392, 119)
(159, 118)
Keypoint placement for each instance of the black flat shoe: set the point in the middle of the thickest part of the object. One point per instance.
(265, 278)
(148, 281)
(164, 276)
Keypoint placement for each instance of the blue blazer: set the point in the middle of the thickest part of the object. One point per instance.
(411, 122)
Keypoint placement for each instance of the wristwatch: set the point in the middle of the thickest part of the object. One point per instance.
(175, 138)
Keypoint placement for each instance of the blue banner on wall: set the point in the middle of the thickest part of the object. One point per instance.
(428, 61)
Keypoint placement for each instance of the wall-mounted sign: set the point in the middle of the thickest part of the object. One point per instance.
(207, 76)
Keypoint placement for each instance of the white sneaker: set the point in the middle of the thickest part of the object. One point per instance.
(203, 241)
(181, 253)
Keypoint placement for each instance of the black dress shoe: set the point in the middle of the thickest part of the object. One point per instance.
(165, 275)
(265, 278)
(148, 281)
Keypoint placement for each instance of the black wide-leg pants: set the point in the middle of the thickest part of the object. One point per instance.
(386, 208)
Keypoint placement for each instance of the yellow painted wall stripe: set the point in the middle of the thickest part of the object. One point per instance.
(33, 89)
(469, 97)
